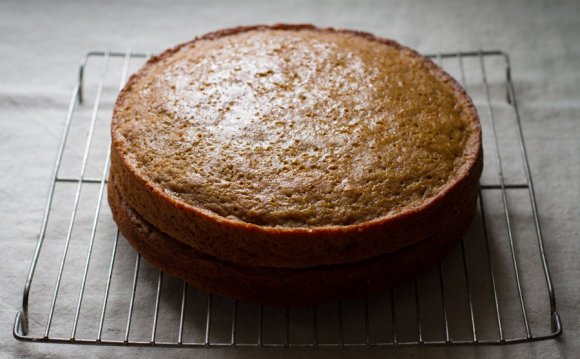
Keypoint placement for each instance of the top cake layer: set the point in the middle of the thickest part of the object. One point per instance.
(296, 128)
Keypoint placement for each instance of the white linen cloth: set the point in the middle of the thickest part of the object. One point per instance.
(41, 43)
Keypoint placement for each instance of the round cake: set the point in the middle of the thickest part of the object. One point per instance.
(296, 148)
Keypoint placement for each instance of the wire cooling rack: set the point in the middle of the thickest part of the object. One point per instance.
(87, 286)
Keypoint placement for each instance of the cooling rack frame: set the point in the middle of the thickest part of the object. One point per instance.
(21, 323)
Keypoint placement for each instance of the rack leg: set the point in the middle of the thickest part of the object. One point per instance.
(20, 328)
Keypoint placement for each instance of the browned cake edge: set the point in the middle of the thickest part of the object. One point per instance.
(314, 285)
(255, 245)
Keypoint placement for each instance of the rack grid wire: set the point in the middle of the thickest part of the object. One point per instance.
(87, 286)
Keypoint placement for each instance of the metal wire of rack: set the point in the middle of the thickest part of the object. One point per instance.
(91, 288)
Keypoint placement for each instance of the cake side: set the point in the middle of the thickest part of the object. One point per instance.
(281, 285)
(252, 245)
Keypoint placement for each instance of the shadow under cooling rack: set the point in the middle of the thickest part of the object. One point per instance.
(87, 286)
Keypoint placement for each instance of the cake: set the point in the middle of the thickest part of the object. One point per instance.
(261, 153)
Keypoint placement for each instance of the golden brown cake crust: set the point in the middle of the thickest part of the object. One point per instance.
(282, 285)
(252, 244)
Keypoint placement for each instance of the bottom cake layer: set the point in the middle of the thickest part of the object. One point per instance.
(266, 285)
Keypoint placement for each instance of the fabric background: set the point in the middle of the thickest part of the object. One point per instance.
(42, 41)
